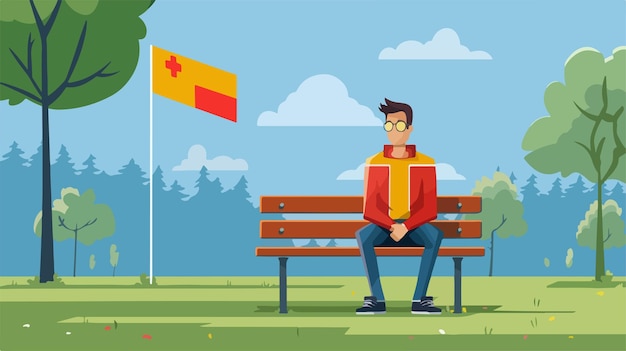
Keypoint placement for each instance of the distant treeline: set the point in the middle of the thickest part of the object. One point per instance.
(215, 231)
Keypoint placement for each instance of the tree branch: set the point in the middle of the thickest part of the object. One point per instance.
(608, 236)
(502, 223)
(86, 80)
(38, 20)
(605, 98)
(617, 153)
(88, 223)
(22, 91)
(66, 83)
(28, 70)
(62, 224)
(53, 16)
(618, 141)
(600, 145)
(585, 113)
(586, 148)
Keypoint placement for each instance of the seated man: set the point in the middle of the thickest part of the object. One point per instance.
(400, 199)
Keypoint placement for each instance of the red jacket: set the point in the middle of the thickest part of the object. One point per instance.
(421, 185)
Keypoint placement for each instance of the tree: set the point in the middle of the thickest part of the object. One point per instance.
(585, 130)
(207, 189)
(86, 51)
(613, 225)
(513, 177)
(74, 214)
(13, 159)
(530, 192)
(569, 258)
(114, 256)
(63, 172)
(92, 262)
(556, 193)
(501, 212)
(176, 190)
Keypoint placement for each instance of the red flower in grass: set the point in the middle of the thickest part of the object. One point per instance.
(107, 327)
(147, 336)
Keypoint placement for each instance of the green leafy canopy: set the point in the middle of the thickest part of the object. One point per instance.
(562, 142)
(110, 48)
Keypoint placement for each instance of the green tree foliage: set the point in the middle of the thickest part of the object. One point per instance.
(114, 257)
(585, 130)
(569, 258)
(92, 262)
(501, 213)
(80, 218)
(613, 225)
(62, 55)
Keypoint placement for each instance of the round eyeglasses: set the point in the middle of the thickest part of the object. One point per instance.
(400, 126)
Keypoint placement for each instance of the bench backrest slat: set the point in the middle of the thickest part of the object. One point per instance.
(346, 229)
(354, 204)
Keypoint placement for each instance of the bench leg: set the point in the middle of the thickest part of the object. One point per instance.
(283, 284)
(457, 284)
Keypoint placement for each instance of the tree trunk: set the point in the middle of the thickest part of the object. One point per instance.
(46, 268)
(599, 235)
(75, 247)
(493, 233)
(114, 270)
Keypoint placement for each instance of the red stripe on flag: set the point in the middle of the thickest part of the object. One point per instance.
(216, 103)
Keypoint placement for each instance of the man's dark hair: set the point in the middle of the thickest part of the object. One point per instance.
(392, 107)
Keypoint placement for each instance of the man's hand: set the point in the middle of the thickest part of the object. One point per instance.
(398, 231)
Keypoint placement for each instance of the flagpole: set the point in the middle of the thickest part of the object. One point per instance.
(151, 166)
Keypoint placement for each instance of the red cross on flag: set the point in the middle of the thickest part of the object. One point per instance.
(194, 83)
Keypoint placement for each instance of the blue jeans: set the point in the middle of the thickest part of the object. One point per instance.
(373, 235)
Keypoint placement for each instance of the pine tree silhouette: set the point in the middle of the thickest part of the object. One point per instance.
(62, 172)
(530, 190)
(13, 159)
(90, 166)
(513, 178)
(556, 192)
(206, 188)
(177, 191)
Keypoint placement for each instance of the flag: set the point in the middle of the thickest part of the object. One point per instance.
(194, 83)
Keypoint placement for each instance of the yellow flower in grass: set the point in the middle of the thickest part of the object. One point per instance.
(552, 318)
(600, 293)
(464, 310)
(210, 336)
(570, 337)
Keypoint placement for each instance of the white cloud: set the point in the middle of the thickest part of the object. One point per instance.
(353, 174)
(444, 172)
(196, 158)
(445, 45)
(447, 172)
(321, 100)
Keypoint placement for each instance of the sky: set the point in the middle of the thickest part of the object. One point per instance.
(310, 78)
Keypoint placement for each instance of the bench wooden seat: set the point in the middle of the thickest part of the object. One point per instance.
(346, 229)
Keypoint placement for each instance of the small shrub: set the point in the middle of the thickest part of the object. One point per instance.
(144, 280)
(56, 282)
(488, 332)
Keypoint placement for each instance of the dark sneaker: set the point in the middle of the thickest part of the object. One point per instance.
(425, 306)
(371, 306)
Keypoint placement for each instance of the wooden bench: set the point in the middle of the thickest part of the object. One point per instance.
(346, 229)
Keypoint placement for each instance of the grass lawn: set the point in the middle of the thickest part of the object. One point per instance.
(241, 313)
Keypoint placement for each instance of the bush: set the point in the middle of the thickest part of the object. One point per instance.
(144, 280)
(56, 282)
